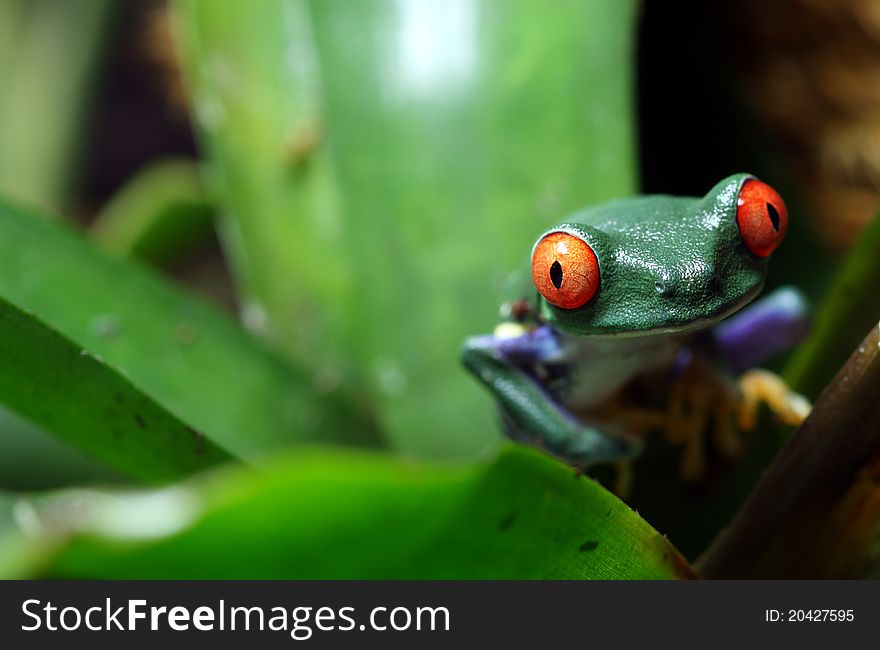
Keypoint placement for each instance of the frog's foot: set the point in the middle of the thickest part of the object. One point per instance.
(713, 409)
(637, 422)
(701, 400)
(728, 440)
(757, 386)
(685, 424)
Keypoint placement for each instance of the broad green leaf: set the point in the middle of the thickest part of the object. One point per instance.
(75, 395)
(850, 307)
(347, 515)
(399, 159)
(182, 353)
(255, 91)
(33, 459)
(16, 555)
(158, 214)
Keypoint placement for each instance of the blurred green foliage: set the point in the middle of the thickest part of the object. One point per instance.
(50, 53)
(178, 350)
(850, 308)
(56, 383)
(331, 515)
(385, 165)
(32, 458)
(159, 214)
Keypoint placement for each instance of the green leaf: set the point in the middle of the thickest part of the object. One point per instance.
(33, 459)
(187, 356)
(850, 307)
(252, 76)
(158, 214)
(71, 392)
(50, 55)
(399, 174)
(364, 516)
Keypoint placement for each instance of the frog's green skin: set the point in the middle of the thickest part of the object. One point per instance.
(669, 267)
(666, 264)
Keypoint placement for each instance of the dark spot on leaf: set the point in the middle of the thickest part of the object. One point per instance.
(200, 440)
(118, 398)
(138, 418)
(186, 334)
(197, 434)
(507, 522)
(589, 545)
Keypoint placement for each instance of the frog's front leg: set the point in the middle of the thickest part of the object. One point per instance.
(773, 324)
(759, 386)
(501, 363)
(704, 395)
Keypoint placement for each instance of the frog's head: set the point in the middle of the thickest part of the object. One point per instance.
(659, 264)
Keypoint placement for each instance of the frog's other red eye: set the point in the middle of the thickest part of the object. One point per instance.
(761, 216)
(565, 270)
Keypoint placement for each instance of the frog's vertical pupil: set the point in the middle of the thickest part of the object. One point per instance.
(556, 274)
(774, 216)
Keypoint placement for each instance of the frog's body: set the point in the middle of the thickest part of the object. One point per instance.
(630, 293)
(599, 367)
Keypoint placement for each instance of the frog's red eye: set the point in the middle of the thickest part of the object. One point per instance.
(761, 217)
(565, 270)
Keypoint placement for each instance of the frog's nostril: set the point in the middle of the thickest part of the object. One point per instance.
(666, 287)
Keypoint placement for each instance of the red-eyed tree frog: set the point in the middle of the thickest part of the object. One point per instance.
(627, 326)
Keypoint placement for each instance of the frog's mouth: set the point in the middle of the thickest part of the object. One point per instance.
(649, 323)
(688, 327)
